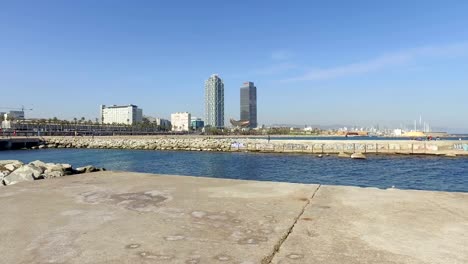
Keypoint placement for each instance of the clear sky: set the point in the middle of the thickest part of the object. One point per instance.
(313, 62)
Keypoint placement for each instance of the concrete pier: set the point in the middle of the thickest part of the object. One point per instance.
(203, 143)
(18, 142)
(122, 217)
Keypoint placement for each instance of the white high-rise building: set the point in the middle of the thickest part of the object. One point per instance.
(214, 102)
(180, 121)
(123, 114)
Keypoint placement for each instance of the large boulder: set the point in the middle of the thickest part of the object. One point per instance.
(24, 173)
(66, 169)
(5, 162)
(87, 169)
(28, 168)
(66, 166)
(3, 174)
(53, 174)
(39, 164)
(10, 165)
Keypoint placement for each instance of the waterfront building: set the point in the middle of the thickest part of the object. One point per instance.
(214, 102)
(197, 123)
(124, 114)
(248, 103)
(164, 124)
(180, 121)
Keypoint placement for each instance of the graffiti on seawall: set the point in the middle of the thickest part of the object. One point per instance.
(460, 146)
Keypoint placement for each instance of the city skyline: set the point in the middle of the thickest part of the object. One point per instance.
(319, 64)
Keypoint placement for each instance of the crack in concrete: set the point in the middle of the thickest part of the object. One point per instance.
(268, 259)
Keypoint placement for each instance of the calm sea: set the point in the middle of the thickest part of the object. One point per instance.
(404, 172)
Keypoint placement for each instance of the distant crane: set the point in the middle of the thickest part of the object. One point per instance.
(22, 109)
(14, 108)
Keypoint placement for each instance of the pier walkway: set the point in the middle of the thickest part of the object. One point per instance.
(123, 217)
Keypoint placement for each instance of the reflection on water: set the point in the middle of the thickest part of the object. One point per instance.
(405, 172)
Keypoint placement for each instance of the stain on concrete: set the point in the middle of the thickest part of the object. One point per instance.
(312, 233)
(71, 212)
(222, 257)
(198, 214)
(236, 221)
(295, 256)
(132, 246)
(149, 255)
(266, 231)
(135, 201)
(174, 238)
(93, 197)
(254, 240)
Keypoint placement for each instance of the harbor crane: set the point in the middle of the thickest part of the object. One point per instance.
(20, 115)
(15, 108)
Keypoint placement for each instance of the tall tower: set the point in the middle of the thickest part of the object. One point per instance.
(214, 102)
(248, 103)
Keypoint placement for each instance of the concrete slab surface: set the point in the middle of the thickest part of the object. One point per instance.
(123, 217)
(120, 217)
(368, 225)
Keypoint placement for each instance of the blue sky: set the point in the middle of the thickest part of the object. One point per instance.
(314, 62)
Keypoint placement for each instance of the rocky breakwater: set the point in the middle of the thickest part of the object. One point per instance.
(14, 171)
(189, 144)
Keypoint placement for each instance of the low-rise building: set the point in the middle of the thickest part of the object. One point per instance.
(180, 121)
(124, 114)
(197, 123)
(163, 123)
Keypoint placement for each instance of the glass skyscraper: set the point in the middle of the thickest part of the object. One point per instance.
(214, 102)
(248, 103)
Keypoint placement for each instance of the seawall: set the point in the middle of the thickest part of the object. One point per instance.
(198, 143)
